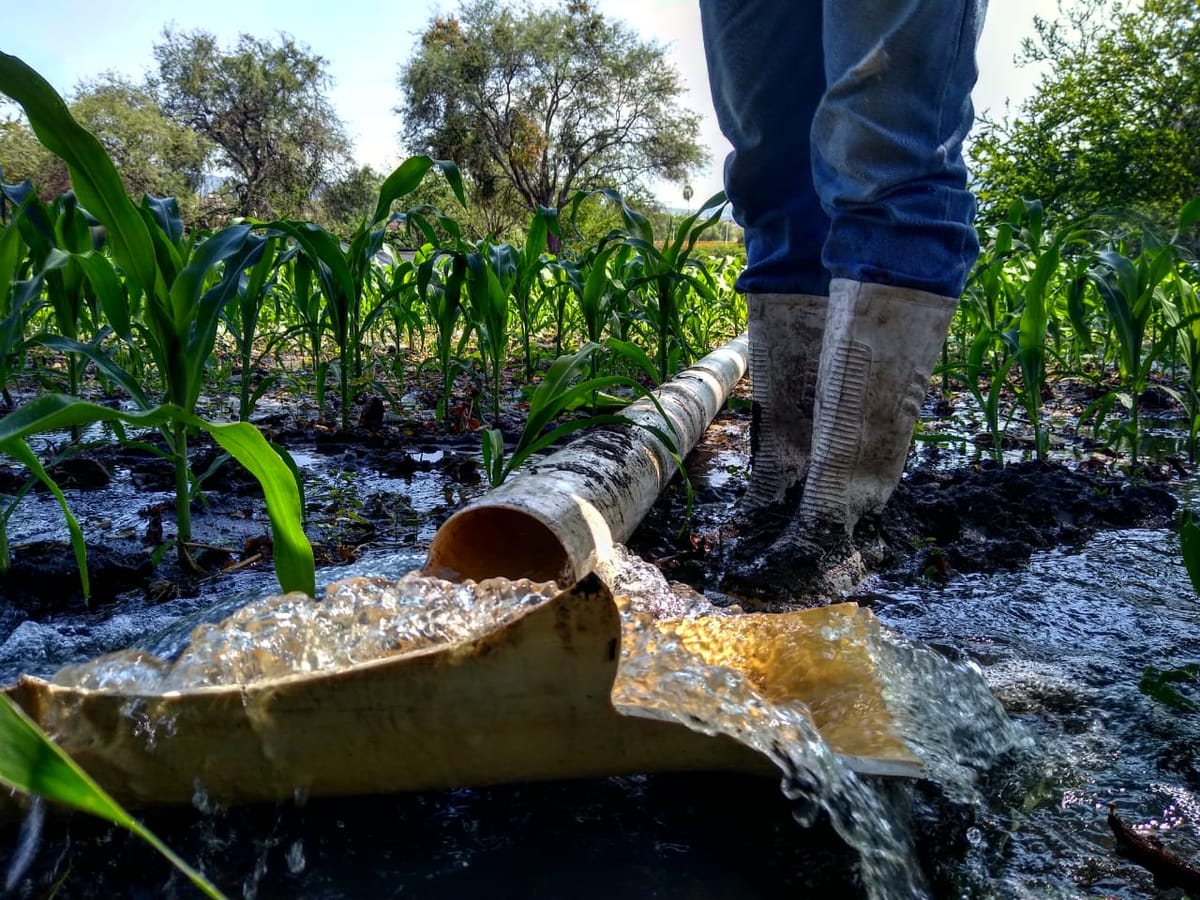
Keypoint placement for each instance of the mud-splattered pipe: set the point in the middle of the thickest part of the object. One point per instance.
(555, 520)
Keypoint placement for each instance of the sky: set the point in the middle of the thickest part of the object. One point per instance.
(364, 52)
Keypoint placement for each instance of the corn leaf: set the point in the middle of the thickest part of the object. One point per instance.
(408, 175)
(33, 764)
(19, 450)
(93, 175)
(1189, 546)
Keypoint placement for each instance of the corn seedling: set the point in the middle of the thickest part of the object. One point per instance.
(527, 289)
(562, 388)
(185, 283)
(665, 272)
(1131, 289)
(293, 555)
(343, 273)
(440, 278)
(491, 274)
(19, 300)
(241, 319)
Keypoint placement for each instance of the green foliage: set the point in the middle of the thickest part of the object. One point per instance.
(344, 272)
(1159, 684)
(263, 106)
(1111, 124)
(545, 102)
(1189, 548)
(1131, 289)
(23, 158)
(33, 764)
(153, 154)
(241, 319)
(663, 272)
(185, 283)
(20, 285)
(563, 388)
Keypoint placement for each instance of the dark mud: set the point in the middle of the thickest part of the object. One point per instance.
(974, 516)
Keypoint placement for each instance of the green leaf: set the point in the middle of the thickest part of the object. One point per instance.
(1157, 683)
(19, 450)
(93, 175)
(30, 762)
(407, 176)
(1189, 547)
(1189, 215)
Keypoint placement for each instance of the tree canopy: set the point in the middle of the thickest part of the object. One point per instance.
(1113, 122)
(540, 103)
(152, 153)
(263, 106)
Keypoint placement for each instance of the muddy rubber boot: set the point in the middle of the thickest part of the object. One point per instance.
(786, 332)
(879, 349)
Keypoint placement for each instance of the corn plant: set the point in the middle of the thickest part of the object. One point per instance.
(565, 282)
(241, 318)
(666, 272)
(491, 274)
(595, 293)
(440, 278)
(1181, 312)
(185, 284)
(564, 388)
(1035, 317)
(344, 273)
(55, 233)
(398, 296)
(528, 296)
(20, 298)
(293, 555)
(306, 305)
(33, 764)
(1131, 289)
(990, 301)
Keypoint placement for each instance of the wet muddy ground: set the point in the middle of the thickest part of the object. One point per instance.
(386, 484)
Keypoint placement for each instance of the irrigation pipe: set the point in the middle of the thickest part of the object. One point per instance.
(560, 517)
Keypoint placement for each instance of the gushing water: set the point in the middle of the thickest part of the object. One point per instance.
(676, 665)
(359, 619)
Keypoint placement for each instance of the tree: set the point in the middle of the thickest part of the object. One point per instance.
(1113, 122)
(153, 154)
(263, 107)
(351, 198)
(546, 102)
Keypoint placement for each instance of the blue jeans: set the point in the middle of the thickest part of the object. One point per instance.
(847, 121)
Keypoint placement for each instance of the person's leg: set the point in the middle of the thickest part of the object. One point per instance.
(888, 165)
(766, 71)
(887, 142)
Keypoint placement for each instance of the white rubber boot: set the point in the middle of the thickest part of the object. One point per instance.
(878, 353)
(786, 332)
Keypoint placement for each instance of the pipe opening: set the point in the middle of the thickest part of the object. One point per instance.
(495, 541)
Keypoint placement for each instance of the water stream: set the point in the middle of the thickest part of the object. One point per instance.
(1063, 644)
